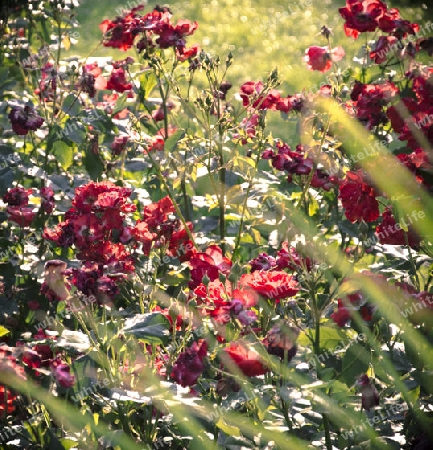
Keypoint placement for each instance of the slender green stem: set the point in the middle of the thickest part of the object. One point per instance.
(170, 194)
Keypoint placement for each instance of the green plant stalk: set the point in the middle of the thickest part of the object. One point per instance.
(244, 206)
(170, 194)
(316, 348)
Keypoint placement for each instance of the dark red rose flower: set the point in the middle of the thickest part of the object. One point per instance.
(362, 16)
(209, 263)
(119, 145)
(391, 22)
(323, 181)
(45, 353)
(288, 257)
(93, 195)
(7, 399)
(47, 200)
(224, 87)
(387, 21)
(352, 302)
(294, 162)
(321, 58)
(121, 32)
(248, 361)
(180, 245)
(358, 198)
(274, 284)
(281, 339)
(21, 215)
(262, 262)
(371, 102)
(174, 35)
(248, 128)
(156, 214)
(62, 373)
(284, 104)
(383, 47)
(185, 54)
(391, 233)
(117, 81)
(17, 196)
(342, 315)
(189, 365)
(32, 360)
(418, 163)
(370, 396)
(24, 120)
(250, 93)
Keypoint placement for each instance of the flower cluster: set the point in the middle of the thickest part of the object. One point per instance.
(298, 163)
(352, 302)
(252, 95)
(152, 31)
(358, 197)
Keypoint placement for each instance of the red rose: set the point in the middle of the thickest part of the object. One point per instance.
(390, 233)
(117, 81)
(362, 16)
(321, 58)
(358, 198)
(248, 361)
(383, 47)
(62, 373)
(189, 365)
(209, 263)
(273, 285)
(6, 401)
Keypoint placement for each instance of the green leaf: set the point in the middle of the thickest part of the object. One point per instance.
(355, 362)
(171, 143)
(3, 331)
(147, 83)
(228, 429)
(6, 180)
(120, 104)
(71, 105)
(313, 207)
(75, 131)
(4, 72)
(414, 394)
(64, 154)
(68, 443)
(93, 165)
(153, 327)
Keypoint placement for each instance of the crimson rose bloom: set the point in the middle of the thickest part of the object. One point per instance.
(7, 399)
(382, 48)
(117, 81)
(369, 394)
(389, 232)
(362, 16)
(189, 365)
(62, 373)
(17, 196)
(209, 263)
(358, 198)
(248, 361)
(321, 58)
(274, 285)
(25, 119)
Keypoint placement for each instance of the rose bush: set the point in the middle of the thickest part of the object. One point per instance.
(142, 290)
